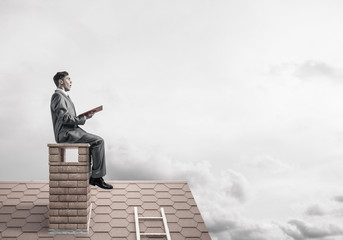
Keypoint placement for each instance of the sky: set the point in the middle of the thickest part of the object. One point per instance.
(240, 98)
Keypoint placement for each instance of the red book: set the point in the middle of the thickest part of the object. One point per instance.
(94, 110)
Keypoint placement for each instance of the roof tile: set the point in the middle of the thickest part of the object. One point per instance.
(148, 198)
(119, 223)
(16, 223)
(102, 227)
(163, 195)
(119, 232)
(28, 236)
(31, 227)
(148, 192)
(21, 214)
(119, 214)
(181, 206)
(177, 192)
(119, 198)
(146, 185)
(101, 236)
(7, 185)
(175, 185)
(174, 227)
(161, 188)
(184, 214)
(190, 232)
(134, 202)
(133, 188)
(102, 218)
(150, 205)
(19, 188)
(35, 218)
(118, 206)
(102, 209)
(11, 232)
(11, 201)
(15, 195)
(133, 195)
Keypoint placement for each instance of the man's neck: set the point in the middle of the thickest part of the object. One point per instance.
(62, 90)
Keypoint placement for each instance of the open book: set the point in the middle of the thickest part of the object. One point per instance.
(94, 110)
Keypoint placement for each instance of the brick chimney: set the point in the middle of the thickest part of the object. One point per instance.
(69, 201)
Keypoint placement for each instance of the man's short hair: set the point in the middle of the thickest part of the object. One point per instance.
(59, 75)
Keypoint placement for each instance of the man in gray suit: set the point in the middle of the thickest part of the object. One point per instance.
(66, 128)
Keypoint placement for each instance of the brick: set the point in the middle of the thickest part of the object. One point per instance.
(83, 150)
(53, 212)
(82, 212)
(55, 158)
(54, 151)
(53, 184)
(68, 212)
(78, 176)
(84, 158)
(58, 191)
(82, 184)
(83, 169)
(68, 198)
(68, 184)
(53, 198)
(78, 205)
(78, 219)
(69, 169)
(77, 191)
(82, 198)
(68, 226)
(53, 226)
(58, 176)
(54, 169)
(58, 220)
(82, 226)
(58, 205)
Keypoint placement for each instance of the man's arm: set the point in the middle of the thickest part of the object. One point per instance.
(59, 106)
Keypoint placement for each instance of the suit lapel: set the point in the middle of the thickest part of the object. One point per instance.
(69, 100)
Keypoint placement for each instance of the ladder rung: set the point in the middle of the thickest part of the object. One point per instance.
(150, 217)
(153, 234)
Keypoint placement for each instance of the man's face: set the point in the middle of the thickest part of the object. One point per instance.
(65, 83)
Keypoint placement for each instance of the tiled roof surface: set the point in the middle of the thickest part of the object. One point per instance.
(24, 212)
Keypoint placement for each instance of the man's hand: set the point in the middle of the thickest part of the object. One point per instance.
(89, 115)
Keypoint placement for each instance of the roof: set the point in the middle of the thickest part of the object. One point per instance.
(24, 212)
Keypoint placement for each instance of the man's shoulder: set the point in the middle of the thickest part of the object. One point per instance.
(57, 94)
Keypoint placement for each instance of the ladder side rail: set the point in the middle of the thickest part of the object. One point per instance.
(138, 234)
(164, 219)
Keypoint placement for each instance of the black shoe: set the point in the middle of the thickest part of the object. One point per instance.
(100, 183)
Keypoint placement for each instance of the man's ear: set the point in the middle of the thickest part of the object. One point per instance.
(60, 82)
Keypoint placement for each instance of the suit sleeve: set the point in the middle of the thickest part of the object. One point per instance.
(59, 106)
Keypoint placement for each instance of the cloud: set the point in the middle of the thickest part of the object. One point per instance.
(266, 163)
(338, 199)
(299, 229)
(310, 69)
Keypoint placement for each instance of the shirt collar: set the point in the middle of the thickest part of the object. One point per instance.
(62, 91)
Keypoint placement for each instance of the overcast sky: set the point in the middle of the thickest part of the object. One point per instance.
(241, 98)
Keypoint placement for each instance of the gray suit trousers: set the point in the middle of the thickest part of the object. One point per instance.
(97, 152)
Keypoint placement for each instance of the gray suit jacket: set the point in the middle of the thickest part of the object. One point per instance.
(64, 119)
